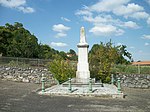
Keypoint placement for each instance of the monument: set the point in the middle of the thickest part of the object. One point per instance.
(82, 73)
(83, 85)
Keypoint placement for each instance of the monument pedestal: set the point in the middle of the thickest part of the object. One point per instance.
(80, 76)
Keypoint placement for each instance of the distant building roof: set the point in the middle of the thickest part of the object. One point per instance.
(141, 63)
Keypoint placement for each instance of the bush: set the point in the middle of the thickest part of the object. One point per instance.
(61, 70)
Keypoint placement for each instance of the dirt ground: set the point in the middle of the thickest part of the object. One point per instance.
(21, 97)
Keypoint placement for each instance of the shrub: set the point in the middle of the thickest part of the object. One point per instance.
(61, 70)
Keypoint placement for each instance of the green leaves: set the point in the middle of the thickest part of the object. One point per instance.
(103, 57)
(62, 70)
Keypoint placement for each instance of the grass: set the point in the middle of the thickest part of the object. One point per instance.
(130, 69)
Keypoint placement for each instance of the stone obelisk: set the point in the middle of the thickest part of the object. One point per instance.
(82, 73)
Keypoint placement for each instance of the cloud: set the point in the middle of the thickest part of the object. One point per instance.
(58, 44)
(99, 19)
(26, 9)
(60, 35)
(61, 29)
(107, 5)
(127, 10)
(148, 21)
(104, 14)
(130, 24)
(148, 1)
(12, 3)
(83, 12)
(139, 15)
(106, 25)
(118, 7)
(146, 37)
(65, 19)
(106, 30)
(17, 4)
(146, 44)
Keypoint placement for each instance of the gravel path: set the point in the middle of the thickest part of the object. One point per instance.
(21, 97)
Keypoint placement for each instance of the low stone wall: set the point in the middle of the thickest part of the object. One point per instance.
(34, 75)
(27, 75)
(135, 80)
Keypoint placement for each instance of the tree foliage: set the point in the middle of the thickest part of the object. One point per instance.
(73, 55)
(61, 69)
(16, 41)
(103, 57)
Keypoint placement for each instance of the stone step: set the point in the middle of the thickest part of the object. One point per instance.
(66, 84)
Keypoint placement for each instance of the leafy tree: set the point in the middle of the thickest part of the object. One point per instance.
(71, 51)
(103, 57)
(73, 56)
(17, 41)
(63, 55)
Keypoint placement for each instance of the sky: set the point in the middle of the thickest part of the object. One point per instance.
(57, 23)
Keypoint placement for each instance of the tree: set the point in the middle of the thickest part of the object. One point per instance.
(71, 51)
(16, 41)
(73, 55)
(63, 55)
(103, 57)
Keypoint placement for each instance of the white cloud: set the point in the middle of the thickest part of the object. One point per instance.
(148, 21)
(107, 5)
(127, 10)
(131, 24)
(65, 19)
(60, 35)
(146, 37)
(139, 15)
(17, 4)
(60, 28)
(58, 44)
(26, 9)
(12, 3)
(101, 19)
(117, 7)
(106, 30)
(83, 12)
(146, 44)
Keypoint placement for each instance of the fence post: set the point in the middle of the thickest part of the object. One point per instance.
(70, 87)
(90, 85)
(43, 83)
(119, 86)
(112, 78)
(139, 71)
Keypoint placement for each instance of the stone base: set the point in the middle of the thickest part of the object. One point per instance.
(82, 76)
(81, 83)
(107, 90)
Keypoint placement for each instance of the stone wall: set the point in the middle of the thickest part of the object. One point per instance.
(27, 75)
(34, 75)
(135, 80)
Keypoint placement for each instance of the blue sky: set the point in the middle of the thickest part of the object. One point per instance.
(57, 22)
